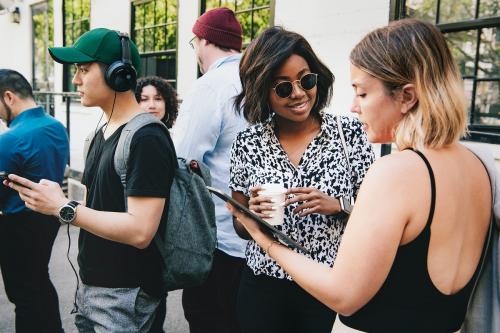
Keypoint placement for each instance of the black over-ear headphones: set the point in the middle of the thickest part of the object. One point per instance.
(121, 75)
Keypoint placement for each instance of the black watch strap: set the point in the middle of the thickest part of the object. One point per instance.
(73, 203)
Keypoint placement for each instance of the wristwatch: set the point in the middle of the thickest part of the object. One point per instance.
(67, 213)
(346, 205)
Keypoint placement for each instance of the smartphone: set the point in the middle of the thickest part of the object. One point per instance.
(283, 238)
(4, 176)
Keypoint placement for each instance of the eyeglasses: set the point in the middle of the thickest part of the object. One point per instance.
(285, 88)
(191, 42)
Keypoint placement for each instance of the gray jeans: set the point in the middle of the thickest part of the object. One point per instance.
(114, 310)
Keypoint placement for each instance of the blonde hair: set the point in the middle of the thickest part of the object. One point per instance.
(413, 51)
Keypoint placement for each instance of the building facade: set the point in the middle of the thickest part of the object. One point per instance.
(162, 29)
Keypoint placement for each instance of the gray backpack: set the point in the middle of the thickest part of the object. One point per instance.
(187, 239)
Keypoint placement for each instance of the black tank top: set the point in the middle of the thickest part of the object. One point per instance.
(408, 301)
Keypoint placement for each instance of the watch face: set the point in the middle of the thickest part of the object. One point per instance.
(67, 214)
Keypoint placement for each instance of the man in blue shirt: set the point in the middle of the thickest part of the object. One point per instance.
(36, 147)
(205, 129)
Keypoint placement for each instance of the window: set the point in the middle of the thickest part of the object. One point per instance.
(43, 38)
(472, 29)
(254, 15)
(76, 21)
(154, 31)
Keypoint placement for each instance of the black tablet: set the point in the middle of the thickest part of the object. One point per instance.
(284, 239)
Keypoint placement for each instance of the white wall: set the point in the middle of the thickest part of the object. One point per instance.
(186, 60)
(16, 50)
(111, 14)
(58, 41)
(333, 27)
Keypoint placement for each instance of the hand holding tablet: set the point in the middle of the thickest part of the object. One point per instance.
(283, 238)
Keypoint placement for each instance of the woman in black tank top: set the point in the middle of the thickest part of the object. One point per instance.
(413, 245)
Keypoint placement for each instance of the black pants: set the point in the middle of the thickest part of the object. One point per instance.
(270, 305)
(211, 307)
(26, 241)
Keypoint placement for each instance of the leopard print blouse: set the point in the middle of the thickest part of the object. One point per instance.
(258, 158)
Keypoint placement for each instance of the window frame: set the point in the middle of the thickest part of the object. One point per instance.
(67, 67)
(38, 8)
(477, 132)
(41, 97)
(271, 6)
(155, 54)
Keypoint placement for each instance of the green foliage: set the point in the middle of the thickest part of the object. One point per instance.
(463, 46)
(489, 8)
(43, 38)
(252, 17)
(76, 19)
(421, 9)
(456, 11)
(76, 23)
(155, 25)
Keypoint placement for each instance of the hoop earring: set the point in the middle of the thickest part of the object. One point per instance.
(168, 118)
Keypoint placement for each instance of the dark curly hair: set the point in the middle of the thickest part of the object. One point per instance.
(258, 66)
(166, 91)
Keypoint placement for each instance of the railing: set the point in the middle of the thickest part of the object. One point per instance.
(46, 99)
(475, 136)
(481, 136)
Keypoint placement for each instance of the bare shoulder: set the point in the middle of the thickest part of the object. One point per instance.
(386, 187)
(394, 170)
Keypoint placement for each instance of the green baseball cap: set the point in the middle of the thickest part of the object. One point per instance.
(98, 44)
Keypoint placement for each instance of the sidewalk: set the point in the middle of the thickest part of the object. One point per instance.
(65, 283)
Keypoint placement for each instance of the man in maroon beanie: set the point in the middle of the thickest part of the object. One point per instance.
(205, 129)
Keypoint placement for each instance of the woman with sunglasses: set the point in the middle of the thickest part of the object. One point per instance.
(292, 142)
(414, 243)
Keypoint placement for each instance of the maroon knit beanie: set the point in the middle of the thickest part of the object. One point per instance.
(220, 27)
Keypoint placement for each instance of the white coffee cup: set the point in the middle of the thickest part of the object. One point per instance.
(277, 194)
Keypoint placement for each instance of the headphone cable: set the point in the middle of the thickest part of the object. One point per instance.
(75, 305)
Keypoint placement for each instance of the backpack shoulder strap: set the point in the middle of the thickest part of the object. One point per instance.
(123, 147)
(205, 174)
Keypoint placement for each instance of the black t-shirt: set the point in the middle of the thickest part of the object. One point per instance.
(150, 171)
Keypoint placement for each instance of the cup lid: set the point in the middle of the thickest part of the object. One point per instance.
(273, 188)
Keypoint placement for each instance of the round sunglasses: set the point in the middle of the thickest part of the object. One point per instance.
(285, 88)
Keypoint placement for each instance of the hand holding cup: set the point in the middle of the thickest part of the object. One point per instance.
(268, 202)
(312, 201)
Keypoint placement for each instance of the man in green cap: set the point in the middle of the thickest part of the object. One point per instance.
(119, 266)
